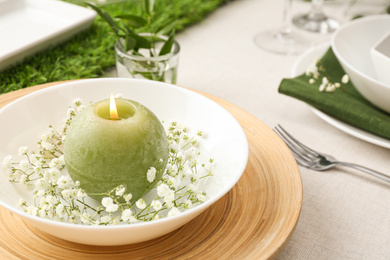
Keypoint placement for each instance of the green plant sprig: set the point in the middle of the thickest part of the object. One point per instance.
(130, 28)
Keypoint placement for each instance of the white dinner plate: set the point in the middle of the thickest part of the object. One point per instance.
(300, 66)
(29, 26)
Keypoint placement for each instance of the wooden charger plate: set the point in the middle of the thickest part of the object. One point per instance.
(252, 221)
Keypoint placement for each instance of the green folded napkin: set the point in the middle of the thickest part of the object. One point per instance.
(345, 103)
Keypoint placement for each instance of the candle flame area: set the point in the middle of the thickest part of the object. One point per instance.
(113, 110)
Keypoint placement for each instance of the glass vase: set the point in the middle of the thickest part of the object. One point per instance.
(146, 64)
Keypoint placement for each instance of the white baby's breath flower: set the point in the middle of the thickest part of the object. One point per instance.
(38, 169)
(77, 102)
(109, 204)
(47, 136)
(115, 221)
(174, 147)
(7, 162)
(42, 203)
(172, 182)
(112, 208)
(22, 150)
(76, 213)
(119, 191)
(162, 190)
(29, 186)
(64, 182)
(201, 197)
(51, 200)
(42, 213)
(81, 194)
(107, 201)
(40, 193)
(34, 158)
(345, 79)
(85, 218)
(192, 187)
(37, 160)
(187, 204)
(151, 174)
(172, 169)
(330, 88)
(23, 179)
(53, 174)
(169, 204)
(72, 220)
(180, 157)
(126, 215)
(68, 193)
(70, 113)
(80, 108)
(133, 219)
(191, 153)
(48, 146)
(156, 204)
(56, 163)
(128, 197)
(20, 203)
(11, 175)
(141, 204)
(24, 165)
(32, 210)
(312, 70)
(17, 175)
(169, 197)
(173, 212)
(105, 219)
(60, 210)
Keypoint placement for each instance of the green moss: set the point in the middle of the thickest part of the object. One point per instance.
(90, 53)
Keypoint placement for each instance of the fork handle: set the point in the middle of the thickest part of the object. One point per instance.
(366, 170)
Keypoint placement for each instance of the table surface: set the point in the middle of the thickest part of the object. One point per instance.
(345, 214)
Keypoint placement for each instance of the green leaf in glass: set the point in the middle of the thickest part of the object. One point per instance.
(166, 48)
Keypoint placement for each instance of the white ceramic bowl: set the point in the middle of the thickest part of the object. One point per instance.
(23, 121)
(380, 54)
(352, 45)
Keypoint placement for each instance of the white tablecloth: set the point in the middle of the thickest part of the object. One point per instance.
(345, 213)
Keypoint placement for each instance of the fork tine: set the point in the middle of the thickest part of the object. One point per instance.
(301, 156)
(301, 160)
(304, 147)
(293, 145)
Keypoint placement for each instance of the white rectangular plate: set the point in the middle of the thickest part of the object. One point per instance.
(29, 26)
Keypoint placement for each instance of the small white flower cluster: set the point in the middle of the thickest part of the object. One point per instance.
(176, 191)
(318, 72)
(53, 192)
(57, 197)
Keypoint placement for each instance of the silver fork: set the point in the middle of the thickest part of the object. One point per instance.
(318, 161)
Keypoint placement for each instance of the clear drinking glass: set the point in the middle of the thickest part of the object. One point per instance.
(160, 68)
(282, 41)
(316, 20)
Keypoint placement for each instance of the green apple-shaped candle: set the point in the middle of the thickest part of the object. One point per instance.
(103, 150)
